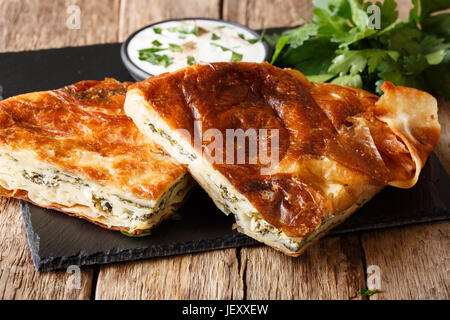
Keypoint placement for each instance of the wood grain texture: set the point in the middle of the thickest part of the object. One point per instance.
(267, 13)
(36, 24)
(330, 269)
(211, 275)
(135, 14)
(18, 279)
(413, 261)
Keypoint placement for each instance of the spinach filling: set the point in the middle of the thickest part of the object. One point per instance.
(173, 142)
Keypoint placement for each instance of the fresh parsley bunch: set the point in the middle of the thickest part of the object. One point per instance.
(340, 47)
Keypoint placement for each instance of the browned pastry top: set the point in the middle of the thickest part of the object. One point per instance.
(83, 129)
(328, 134)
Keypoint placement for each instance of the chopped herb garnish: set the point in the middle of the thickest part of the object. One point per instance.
(147, 50)
(221, 47)
(152, 57)
(221, 27)
(174, 47)
(183, 29)
(236, 57)
(156, 43)
(215, 37)
(182, 37)
(157, 30)
(367, 293)
(195, 30)
(176, 216)
(253, 41)
(145, 234)
(190, 60)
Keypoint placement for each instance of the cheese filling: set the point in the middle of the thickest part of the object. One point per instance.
(228, 200)
(46, 185)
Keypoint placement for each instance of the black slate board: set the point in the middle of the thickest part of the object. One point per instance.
(57, 240)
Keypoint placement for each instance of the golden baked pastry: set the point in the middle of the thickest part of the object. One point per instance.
(74, 150)
(337, 146)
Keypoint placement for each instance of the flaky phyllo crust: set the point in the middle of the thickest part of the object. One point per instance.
(336, 142)
(82, 131)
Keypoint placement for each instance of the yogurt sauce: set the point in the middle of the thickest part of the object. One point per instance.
(172, 45)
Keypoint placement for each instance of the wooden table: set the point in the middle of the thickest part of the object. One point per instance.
(413, 260)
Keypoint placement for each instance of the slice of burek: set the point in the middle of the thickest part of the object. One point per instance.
(337, 146)
(74, 150)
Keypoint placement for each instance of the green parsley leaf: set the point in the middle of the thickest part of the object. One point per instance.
(436, 57)
(301, 34)
(388, 12)
(272, 39)
(367, 293)
(348, 61)
(282, 42)
(152, 57)
(333, 27)
(356, 61)
(236, 57)
(335, 7)
(157, 30)
(184, 30)
(359, 18)
(320, 77)
(253, 41)
(339, 47)
(313, 57)
(190, 60)
(414, 16)
(174, 47)
(150, 50)
(156, 43)
(220, 46)
(145, 234)
(215, 37)
(349, 80)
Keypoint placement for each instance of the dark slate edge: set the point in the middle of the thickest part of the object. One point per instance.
(108, 256)
(104, 257)
(232, 241)
(33, 237)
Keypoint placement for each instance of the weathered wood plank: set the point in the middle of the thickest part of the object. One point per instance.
(135, 14)
(18, 279)
(36, 24)
(211, 275)
(413, 261)
(330, 269)
(267, 13)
